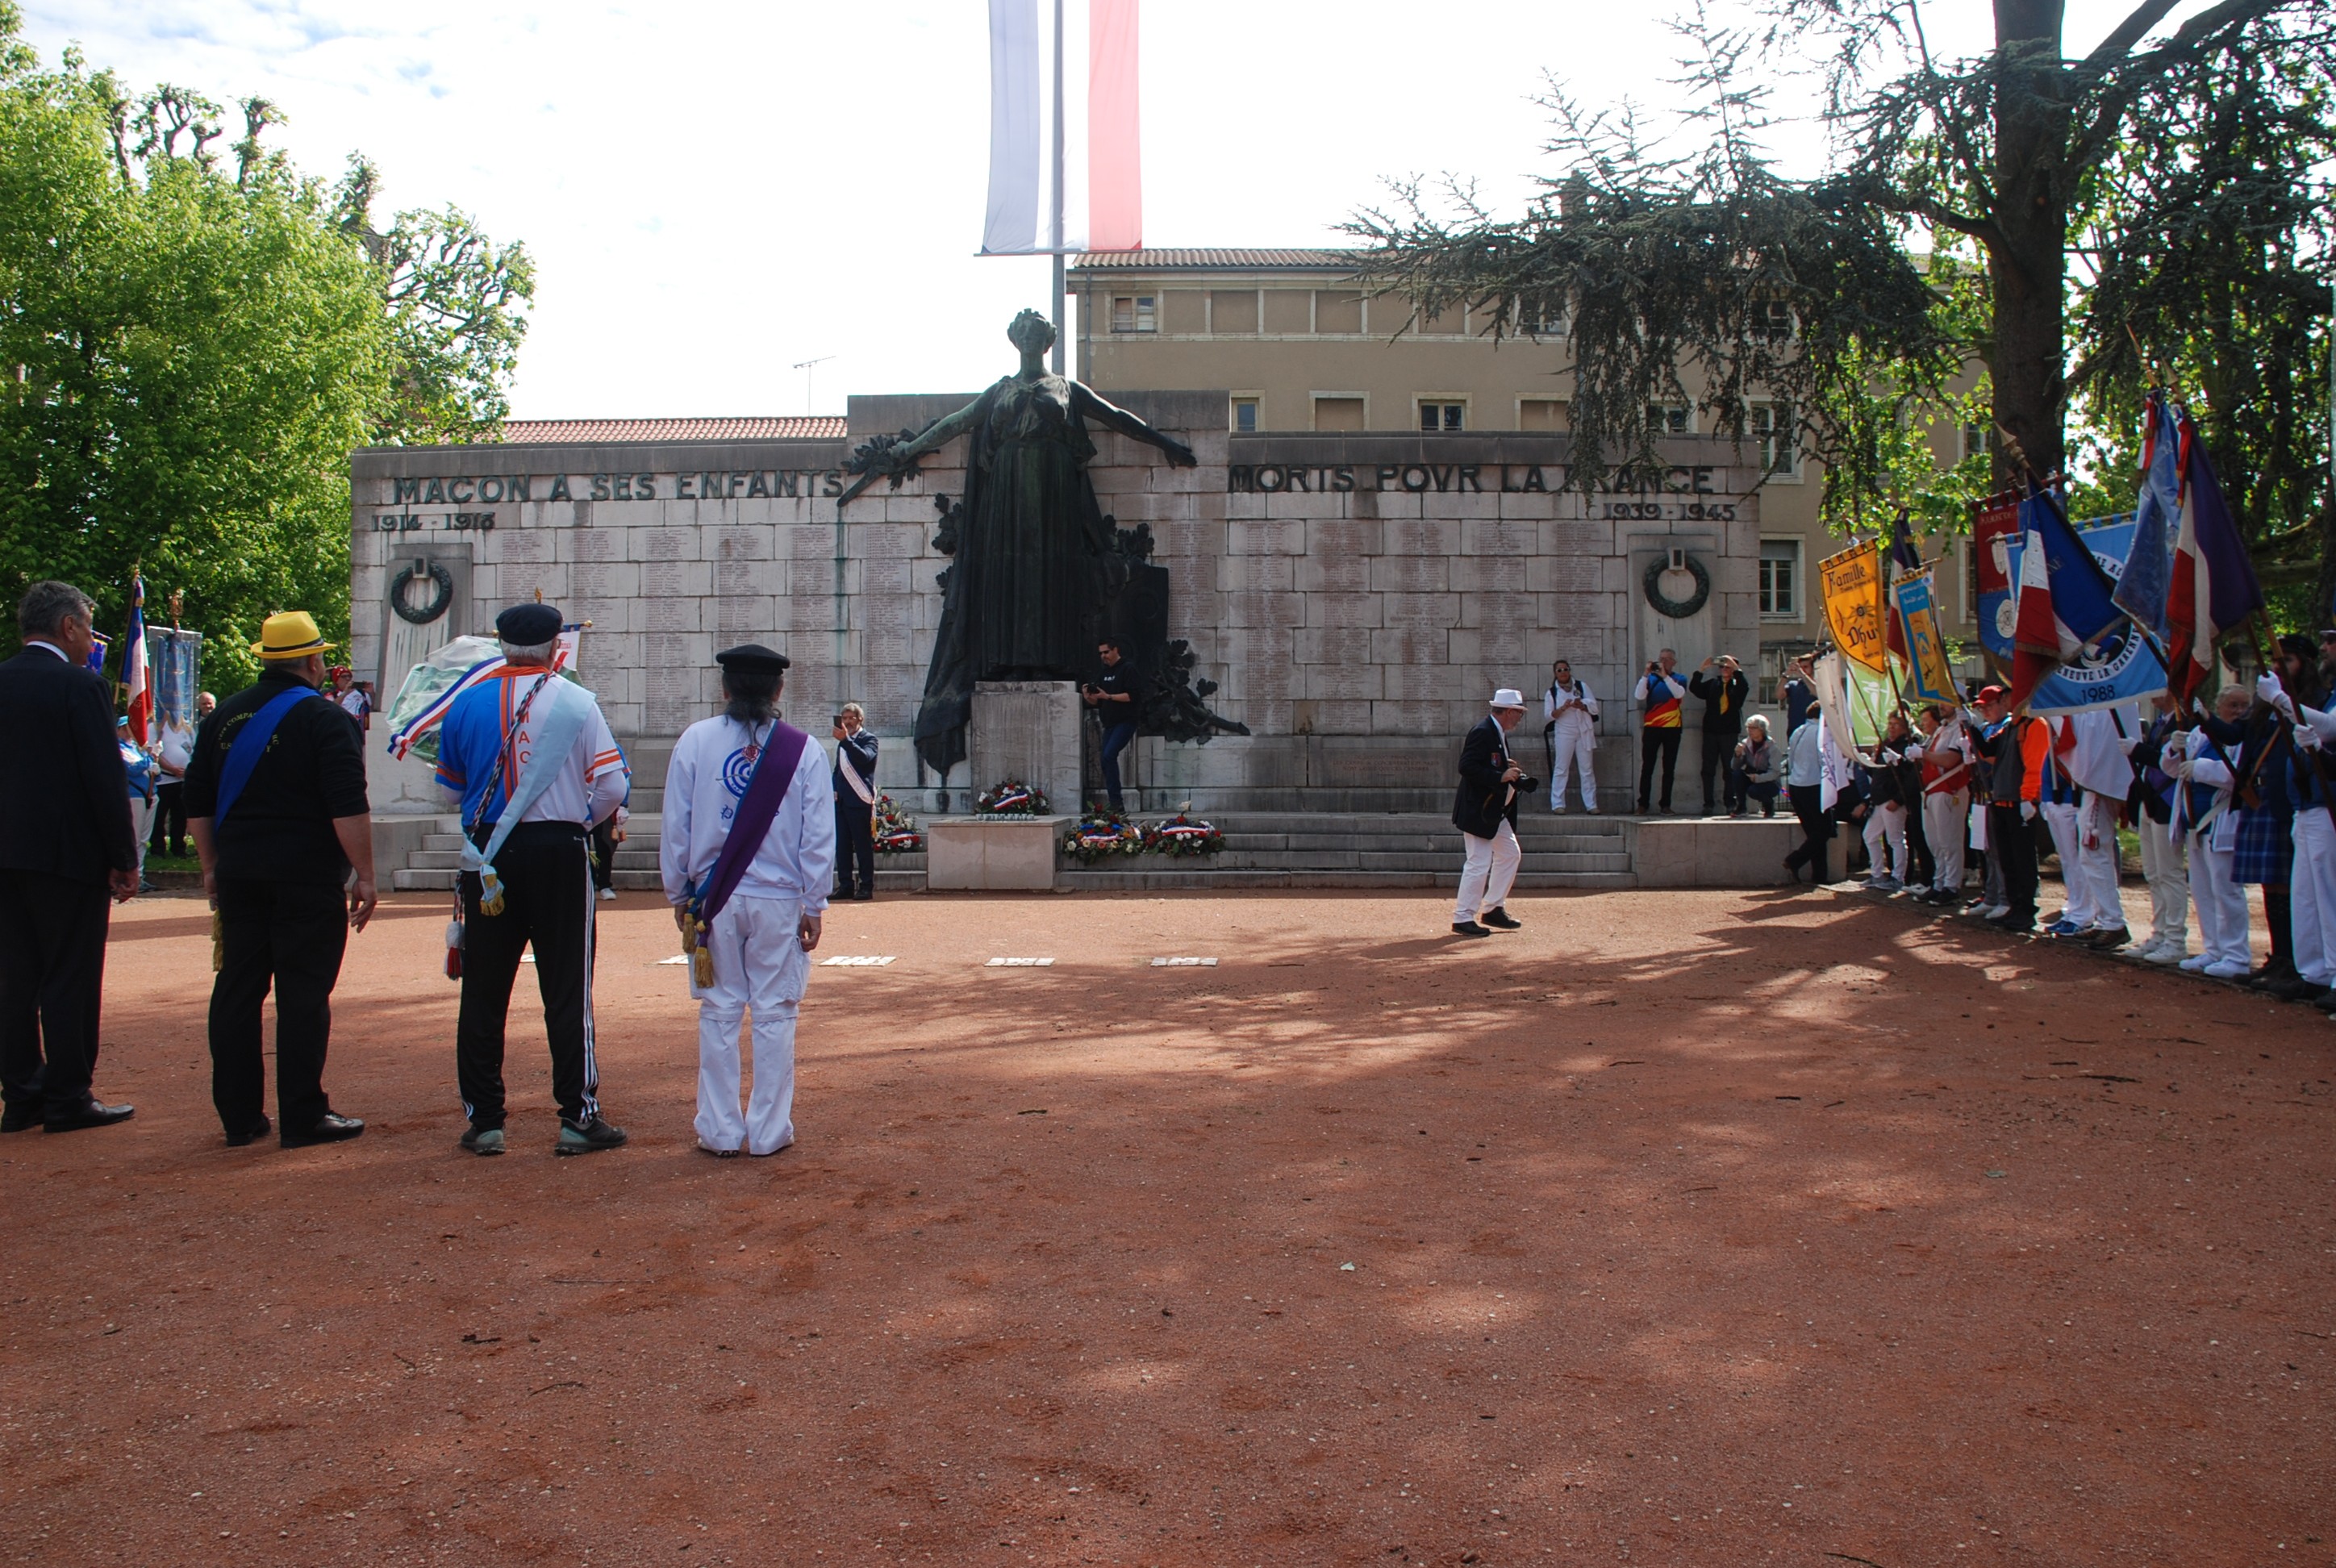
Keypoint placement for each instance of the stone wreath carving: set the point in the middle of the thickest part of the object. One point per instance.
(1677, 608)
(443, 584)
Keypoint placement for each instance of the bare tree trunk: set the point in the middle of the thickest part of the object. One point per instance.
(2025, 259)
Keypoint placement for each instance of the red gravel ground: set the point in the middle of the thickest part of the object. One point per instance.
(1682, 1228)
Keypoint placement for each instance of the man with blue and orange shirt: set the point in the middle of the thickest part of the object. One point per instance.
(2015, 747)
(531, 758)
(1659, 693)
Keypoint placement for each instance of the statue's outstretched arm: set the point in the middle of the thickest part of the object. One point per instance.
(895, 458)
(1092, 405)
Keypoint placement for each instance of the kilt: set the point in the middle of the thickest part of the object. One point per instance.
(2264, 845)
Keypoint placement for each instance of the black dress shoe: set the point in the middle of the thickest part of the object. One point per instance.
(1468, 928)
(88, 1114)
(1500, 921)
(864, 895)
(237, 1139)
(330, 1128)
(21, 1118)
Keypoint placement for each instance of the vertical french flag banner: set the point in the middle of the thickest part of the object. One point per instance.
(2213, 588)
(1103, 210)
(138, 690)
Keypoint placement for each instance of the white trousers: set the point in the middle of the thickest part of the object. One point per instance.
(2311, 896)
(1946, 824)
(1486, 875)
(2222, 903)
(2163, 862)
(2098, 863)
(759, 964)
(2061, 818)
(142, 817)
(1886, 823)
(1573, 744)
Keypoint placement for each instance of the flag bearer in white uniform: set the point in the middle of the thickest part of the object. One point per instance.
(766, 897)
(2204, 812)
(1571, 710)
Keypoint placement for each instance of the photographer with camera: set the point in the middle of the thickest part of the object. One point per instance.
(1485, 810)
(1659, 693)
(855, 804)
(1112, 695)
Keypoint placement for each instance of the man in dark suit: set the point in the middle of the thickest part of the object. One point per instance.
(282, 850)
(1485, 810)
(1724, 691)
(67, 843)
(855, 783)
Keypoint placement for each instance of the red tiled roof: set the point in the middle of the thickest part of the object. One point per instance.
(749, 427)
(1215, 260)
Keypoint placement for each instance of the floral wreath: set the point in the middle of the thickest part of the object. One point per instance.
(1102, 835)
(1183, 835)
(895, 830)
(1012, 798)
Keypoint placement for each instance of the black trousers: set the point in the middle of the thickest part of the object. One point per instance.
(52, 976)
(169, 819)
(1719, 752)
(1918, 846)
(1653, 744)
(547, 881)
(1816, 831)
(604, 855)
(2012, 842)
(855, 845)
(292, 935)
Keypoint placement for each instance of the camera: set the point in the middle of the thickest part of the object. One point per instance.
(1526, 783)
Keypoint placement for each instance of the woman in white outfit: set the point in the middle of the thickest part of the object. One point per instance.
(1572, 711)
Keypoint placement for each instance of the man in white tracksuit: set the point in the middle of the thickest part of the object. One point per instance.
(2205, 813)
(2102, 762)
(761, 939)
(1572, 712)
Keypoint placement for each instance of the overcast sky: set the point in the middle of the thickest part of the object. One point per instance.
(714, 192)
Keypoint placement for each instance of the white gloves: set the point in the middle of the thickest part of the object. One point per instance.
(2306, 738)
(2268, 688)
(2027, 811)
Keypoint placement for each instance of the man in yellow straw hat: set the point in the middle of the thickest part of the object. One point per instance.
(276, 802)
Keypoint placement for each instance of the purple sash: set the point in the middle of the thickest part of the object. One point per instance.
(767, 791)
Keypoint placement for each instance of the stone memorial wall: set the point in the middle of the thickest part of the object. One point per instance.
(1356, 597)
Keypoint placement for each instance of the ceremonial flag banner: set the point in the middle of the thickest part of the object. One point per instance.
(1900, 558)
(176, 659)
(2065, 611)
(2214, 587)
(1928, 677)
(1994, 531)
(2121, 668)
(1101, 194)
(2141, 592)
(137, 690)
(1851, 583)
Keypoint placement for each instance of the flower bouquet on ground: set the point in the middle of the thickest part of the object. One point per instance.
(1103, 835)
(1012, 799)
(895, 830)
(1183, 834)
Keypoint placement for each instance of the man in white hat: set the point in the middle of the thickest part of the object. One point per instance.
(1485, 810)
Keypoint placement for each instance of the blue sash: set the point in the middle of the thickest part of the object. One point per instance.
(234, 771)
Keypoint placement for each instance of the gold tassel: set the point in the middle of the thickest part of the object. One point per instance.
(490, 891)
(701, 957)
(219, 941)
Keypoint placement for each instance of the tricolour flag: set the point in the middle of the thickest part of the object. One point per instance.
(2064, 606)
(137, 690)
(1899, 558)
(1017, 220)
(1995, 530)
(2149, 569)
(2213, 586)
(2122, 670)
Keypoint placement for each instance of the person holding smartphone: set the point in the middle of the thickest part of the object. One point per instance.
(855, 804)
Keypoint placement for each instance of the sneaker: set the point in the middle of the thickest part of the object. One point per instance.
(2225, 971)
(2195, 962)
(2168, 953)
(1994, 912)
(1468, 928)
(2061, 928)
(1886, 884)
(705, 1148)
(606, 894)
(597, 1133)
(2298, 989)
(2108, 939)
(1500, 920)
(483, 1140)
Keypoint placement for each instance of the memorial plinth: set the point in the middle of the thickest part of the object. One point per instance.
(1027, 730)
(993, 854)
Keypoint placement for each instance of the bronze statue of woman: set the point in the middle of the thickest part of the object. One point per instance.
(1022, 600)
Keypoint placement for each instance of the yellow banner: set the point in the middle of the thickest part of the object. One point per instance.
(1928, 678)
(1852, 582)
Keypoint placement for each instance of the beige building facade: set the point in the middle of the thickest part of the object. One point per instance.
(1294, 347)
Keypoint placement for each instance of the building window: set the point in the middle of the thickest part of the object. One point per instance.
(1780, 579)
(1545, 318)
(1340, 411)
(1979, 441)
(1774, 321)
(1541, 414)
(1671, 418)
(1244, 415)
(1438, 413)
(1771, 425)
(1135, 313)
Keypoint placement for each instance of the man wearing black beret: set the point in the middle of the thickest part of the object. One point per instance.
(529, 758)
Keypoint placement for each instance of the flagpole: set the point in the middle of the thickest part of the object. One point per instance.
(1058, 188)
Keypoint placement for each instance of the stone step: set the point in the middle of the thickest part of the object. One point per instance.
(1170, 881)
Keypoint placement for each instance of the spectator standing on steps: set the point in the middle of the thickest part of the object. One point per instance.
(855, 804)
(1659, 694)
(1571, 710)
(1724, 691)
(65, 847)
(1112, 695)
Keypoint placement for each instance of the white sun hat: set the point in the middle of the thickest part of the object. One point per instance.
(1508, 696)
